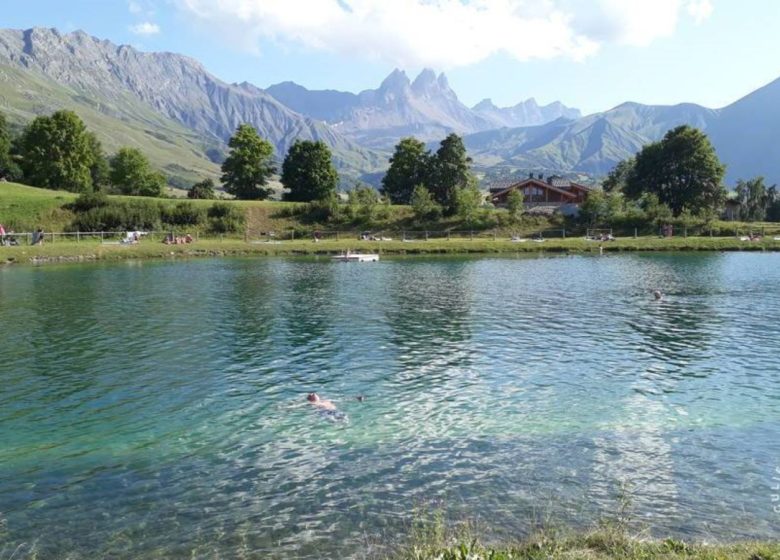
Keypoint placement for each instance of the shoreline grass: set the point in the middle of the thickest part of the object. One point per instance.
(616, 537)
(601, 544)
(86, 251)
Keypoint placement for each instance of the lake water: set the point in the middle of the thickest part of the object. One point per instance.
(157, 409)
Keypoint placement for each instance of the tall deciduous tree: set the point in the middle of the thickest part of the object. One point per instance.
(683, 170)
(409, 167)
(308, 172)
(57, 153)
(773, 208)
(131, 174)
(617, 178)
(450, 170)
(8, 167)
(754, 199)
(100, 170)
(249, 165)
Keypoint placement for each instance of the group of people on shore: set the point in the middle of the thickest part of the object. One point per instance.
(8, 237)
(171, 239)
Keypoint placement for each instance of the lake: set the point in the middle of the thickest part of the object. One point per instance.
(157, 409)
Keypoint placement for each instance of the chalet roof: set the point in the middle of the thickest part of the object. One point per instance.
(554, 181)
(535, 183)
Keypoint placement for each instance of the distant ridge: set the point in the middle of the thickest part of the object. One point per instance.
(427, 108)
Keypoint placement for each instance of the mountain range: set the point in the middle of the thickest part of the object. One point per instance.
(182, 116)
(161, 95)
(745, 135)
(426, 108)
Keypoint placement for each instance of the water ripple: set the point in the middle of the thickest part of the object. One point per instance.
(156, 409)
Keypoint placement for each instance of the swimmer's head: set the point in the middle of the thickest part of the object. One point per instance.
(312, 397)
(658, 294)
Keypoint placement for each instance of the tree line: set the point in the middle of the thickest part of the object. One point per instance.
(433, 184)
(58, 152)
(677, 178)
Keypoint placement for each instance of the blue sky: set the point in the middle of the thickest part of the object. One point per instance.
(590, 54)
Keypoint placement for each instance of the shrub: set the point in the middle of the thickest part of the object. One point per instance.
(203, 190)
(320, 211)
(225, 218)
(88, 201)
(424, 206)
(97, 214)
(184, 214)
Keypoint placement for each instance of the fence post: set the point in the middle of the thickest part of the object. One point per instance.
(495, 236)
(564, 233)
(426, 235)
(471, 235)
(293, 235)
(685, 231)
(78, 237)
(448, 235)
(635, 233)
(337, 235)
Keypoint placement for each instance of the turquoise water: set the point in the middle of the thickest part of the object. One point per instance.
(158, 409)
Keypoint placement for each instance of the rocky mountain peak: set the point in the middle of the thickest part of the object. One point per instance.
(396, 82)
(485, 105)
(428, 85)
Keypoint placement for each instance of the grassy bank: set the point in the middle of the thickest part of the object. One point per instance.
(24, 208)
(154, 249)
(599, 545)
(616, 537)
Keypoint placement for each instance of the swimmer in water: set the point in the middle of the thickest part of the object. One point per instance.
(658, 295)
(322, 404)
(327, 409)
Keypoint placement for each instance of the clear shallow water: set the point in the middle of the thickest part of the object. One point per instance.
(157, 409)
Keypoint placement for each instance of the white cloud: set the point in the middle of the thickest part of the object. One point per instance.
(447, 33)
(700, 10)
(134, 7)
(145, 28)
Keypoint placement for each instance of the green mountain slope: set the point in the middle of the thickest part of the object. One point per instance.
(592, 144)
(179, 152)
(119, 80)
(747, 135)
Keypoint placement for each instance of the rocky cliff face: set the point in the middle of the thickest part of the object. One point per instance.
(426, 108)
(175, 86)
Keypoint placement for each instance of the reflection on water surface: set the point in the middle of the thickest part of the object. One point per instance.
(157, 408)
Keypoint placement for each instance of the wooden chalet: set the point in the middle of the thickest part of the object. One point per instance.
(538, 191)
